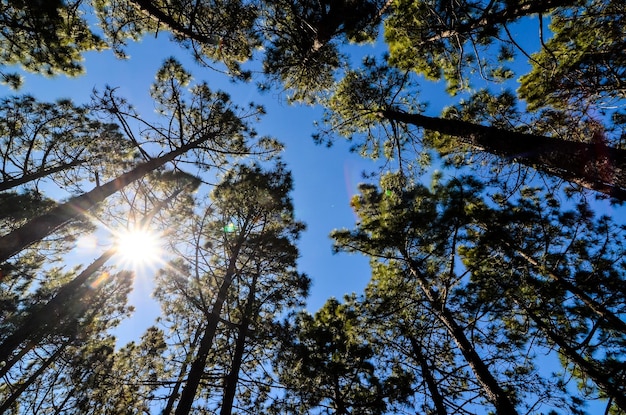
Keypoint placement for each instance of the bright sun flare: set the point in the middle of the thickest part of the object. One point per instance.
(138, 247)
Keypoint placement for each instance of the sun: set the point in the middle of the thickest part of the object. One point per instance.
(138, 247)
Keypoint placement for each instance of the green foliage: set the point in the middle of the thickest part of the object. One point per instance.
(329, 365)
(521, 291)
(47, 37)
(303, 37)
(217, 31)
(192, 112)
(356, 111)
(72, 357)
(58, 143)
(451, 40)
(584, 60)
(134, 373)
(464, 287)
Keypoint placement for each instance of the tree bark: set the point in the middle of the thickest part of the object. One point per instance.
(40, 227)
(593, 166)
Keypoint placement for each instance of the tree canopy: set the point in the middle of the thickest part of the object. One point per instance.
(492, 220)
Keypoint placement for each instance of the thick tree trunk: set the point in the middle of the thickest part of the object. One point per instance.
(206, 343)
(593, 166)
(40, 227)
(493, 391)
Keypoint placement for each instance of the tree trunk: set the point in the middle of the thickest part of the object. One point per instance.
(39, 323)
(40, 227)
(233, 375)
(41, 173)
(175, 26)
(604, 381)
(179, 381)
(31, 379)
(593, 166)
(493, 391)
(197, 366)
(427, 375)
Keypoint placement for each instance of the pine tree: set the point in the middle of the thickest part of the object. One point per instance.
(372, 106)
(234, 279)
(418, 233)
(562, 274)
(46, 37)
(328, 367)
(216, 135)
(58, 142)
(454, 40)
(63, 361)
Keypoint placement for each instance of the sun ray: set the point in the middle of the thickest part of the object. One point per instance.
(138, 248)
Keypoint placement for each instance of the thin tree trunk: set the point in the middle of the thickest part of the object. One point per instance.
(12, 360)
(614, 391)
(40, 227)
(427, 375)
(183, 370)
(340, 406)
(31, 379)
(494, 392)
(11, 183)
(206, 343)
(593, 166)
(233, 375)
(39, 323)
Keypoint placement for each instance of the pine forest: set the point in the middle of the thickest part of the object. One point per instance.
(312, 207)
